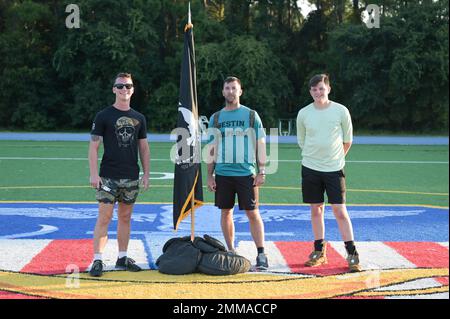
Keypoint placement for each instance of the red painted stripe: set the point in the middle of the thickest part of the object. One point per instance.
(422, 254)
(442, 280)
(55, 258)
(359, 297)
(296, 254)
(13, 295)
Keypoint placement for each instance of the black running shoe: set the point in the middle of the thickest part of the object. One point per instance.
(97, 268)
(126, 263)
(261, 262)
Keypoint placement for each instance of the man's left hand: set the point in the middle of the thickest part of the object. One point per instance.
(145, 182)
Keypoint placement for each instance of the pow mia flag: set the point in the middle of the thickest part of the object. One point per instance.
(188, 177)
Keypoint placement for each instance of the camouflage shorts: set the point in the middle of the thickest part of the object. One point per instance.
(120, 190)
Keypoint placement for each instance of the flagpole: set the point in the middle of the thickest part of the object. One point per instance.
(189, 14)
(187, 188)
(193, 217)
(193, 194)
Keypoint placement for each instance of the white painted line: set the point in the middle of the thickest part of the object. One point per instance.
(155, 243)
(67, 159)
(412, 285)
(169, 160)
(375, 255)
(398, 162)
(45, 229)
(441, 295)
(247, 249)
(45, 158)
(277, 263)
(372, 162)
(17, 253)
(136, 250)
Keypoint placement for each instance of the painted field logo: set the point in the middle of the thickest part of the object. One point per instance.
(47, 250)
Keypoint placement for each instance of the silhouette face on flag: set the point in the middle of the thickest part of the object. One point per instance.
(188, 178)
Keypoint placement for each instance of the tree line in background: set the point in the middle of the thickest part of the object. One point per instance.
(392, 78)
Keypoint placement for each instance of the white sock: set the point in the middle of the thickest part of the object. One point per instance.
(98, 256)
(122, 254)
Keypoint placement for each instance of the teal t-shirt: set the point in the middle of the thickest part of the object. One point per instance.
(237, 141)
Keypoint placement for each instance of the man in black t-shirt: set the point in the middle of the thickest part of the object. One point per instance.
(123, 132)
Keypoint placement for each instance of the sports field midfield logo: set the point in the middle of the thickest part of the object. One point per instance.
(403, 250)
(410, 283)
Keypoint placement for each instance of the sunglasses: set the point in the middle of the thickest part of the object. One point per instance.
(121, 85)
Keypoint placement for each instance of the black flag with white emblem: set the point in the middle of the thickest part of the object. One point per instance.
(188, 177)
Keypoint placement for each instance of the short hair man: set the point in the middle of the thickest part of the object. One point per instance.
(240, 137)
(325, 134)
(123, 132)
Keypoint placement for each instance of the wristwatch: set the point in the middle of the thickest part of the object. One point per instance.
(262, 172)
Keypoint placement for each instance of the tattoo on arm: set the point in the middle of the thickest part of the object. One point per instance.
(96, 138)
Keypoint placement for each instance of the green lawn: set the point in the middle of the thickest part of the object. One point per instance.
(59, 172)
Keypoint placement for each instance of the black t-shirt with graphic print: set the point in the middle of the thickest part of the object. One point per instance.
(121, 131)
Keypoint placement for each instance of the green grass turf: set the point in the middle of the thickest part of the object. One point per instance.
(367, 183)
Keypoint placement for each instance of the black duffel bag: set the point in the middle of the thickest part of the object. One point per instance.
(222, 263)
(217, 261)
(206, 255)
(179, 257)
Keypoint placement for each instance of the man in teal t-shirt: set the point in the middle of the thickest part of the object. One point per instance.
(325, 134)
(237, 152)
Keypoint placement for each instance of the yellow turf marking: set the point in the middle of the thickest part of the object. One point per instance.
(159, 286)
(362, 190)
(412, 292)
(41, 187)
(211, 203)
(395, 192)
(352, 204)
(263, 187)
(157, 277)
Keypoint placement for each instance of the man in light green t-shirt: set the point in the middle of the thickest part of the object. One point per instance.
(325, 134)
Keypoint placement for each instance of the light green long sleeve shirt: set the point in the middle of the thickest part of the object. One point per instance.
(321, 134)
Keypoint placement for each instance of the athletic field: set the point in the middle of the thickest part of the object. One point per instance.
(376, 174)
(397, 197)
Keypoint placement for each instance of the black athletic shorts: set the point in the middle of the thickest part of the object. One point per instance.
(228, 186)
(315, 183)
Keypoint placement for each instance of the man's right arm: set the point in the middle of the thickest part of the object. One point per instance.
(94, 146)
(301, 131)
